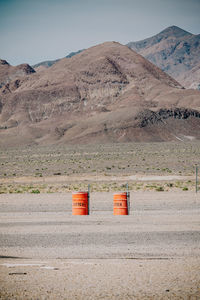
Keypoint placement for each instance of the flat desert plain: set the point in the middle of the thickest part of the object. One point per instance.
(61, 168)
(46, 253)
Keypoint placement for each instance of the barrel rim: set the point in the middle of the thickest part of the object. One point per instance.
(81, 192)
(120, 193)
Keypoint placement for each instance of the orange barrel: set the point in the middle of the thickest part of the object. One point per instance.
(80, 203)
(120, 204)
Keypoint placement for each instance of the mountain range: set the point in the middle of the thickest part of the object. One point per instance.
(175, 51)
(107, 93)
(49, 63)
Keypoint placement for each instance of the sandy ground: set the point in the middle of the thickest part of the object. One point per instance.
(93, 178)
(46, 253)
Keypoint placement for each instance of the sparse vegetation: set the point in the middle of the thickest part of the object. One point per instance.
(35, 191)
(185, 188)
(98, 186)
(83, 162)
(160, 189)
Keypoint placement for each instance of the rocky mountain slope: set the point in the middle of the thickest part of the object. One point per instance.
(9, 73)
(107, 93)
(176, 52)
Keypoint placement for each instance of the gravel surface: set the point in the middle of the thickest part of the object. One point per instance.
(46, 253)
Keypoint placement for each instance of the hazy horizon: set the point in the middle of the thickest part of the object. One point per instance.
(34, 31)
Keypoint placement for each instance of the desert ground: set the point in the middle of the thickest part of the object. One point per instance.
(46, 253)
(145, 166)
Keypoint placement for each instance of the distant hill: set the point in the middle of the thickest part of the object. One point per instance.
(9, 73)
(175, 51)
(49, 63)
(107, 93)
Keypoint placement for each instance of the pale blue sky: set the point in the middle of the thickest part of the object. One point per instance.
(35, 30)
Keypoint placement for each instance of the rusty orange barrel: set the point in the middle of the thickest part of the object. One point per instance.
(80, 203)
(120, 204)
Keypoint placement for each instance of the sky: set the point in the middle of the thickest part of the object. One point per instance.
(32, 31)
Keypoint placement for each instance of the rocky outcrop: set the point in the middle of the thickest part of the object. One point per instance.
(10, 73)
(3, 62)
(149, 117)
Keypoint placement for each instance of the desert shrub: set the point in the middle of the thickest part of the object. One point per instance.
(185, 188)
(159, 189)
(18, 191)
(38, 174)
(35, 191)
